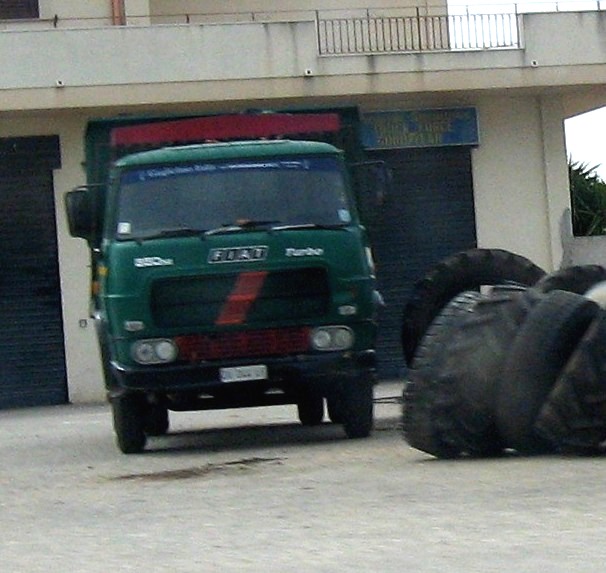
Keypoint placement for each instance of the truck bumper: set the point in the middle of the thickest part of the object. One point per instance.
(199, 386)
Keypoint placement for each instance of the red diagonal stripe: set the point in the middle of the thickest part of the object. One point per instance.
(239, 301)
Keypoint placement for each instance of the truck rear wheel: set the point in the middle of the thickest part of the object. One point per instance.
(156, 420)
(310, 408)
(334, 407)
(358, 407)
(128, 412)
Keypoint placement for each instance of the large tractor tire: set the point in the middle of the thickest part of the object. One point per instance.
(573, 418)
(540, 351)
(466, 387)
(578, 279)
(467, 270)
(426, 425)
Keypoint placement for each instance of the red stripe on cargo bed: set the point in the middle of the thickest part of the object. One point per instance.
(241, 298)
(222, 127)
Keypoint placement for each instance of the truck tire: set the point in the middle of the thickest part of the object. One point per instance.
(156, 420)
(539, 352)
(578, 279)
(573, 418)
(466, 386)
(128, 412)
(334, 408)
(425, 426)
(310, 409)
(467, 270)
(358, 406)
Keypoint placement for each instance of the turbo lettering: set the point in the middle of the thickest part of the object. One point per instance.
(306, 252)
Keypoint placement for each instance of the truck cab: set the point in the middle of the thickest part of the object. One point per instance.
(230, 275)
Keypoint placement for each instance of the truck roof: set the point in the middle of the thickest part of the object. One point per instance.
(227, 150)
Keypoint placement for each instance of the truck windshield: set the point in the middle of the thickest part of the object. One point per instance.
(198, 197)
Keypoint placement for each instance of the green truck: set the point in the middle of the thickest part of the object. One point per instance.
(229, 274)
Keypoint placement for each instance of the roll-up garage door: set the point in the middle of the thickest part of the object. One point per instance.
(428, 216)
(32, 356)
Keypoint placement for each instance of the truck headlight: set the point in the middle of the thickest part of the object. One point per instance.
(154, 351)
(330, 338)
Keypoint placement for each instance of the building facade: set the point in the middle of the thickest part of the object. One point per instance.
(467, 109)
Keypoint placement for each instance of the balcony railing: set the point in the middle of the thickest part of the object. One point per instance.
(381, 35)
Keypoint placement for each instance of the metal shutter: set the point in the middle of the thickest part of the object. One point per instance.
(429, 215)
(32, 357)
(17, 9)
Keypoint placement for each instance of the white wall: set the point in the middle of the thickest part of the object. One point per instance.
(515, 209)
(138, 12)
(171, 7)
(83, 363)
(95, 13)
(151, 65)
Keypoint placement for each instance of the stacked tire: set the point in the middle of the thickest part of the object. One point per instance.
(573, 417)
(540, 350)
(467, 270)
(427, 422)
(518, 368)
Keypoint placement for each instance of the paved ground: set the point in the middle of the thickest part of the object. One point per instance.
(252, 491)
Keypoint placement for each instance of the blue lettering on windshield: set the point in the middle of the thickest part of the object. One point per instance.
(188, 169)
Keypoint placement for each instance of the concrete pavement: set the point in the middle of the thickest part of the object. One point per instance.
(253, 491)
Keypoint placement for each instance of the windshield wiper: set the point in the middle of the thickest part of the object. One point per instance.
(241, 226)
(166, 233)
(305, 226)
(229, 228)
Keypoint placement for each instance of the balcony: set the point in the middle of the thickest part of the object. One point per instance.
(181, 59)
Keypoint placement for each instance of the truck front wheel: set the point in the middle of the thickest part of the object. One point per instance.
(357, 403)
(128, 411)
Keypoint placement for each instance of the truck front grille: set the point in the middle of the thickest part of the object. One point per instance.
(233, 299)
(245, 344)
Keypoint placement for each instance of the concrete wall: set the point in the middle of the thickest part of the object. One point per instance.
(581, 250)
(514, 207)
(83, 370)
(91, 12)
(78, 13)
(290, 8)
(507, 176)
(154, 65)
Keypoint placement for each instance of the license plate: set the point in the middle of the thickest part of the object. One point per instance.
(243, 373)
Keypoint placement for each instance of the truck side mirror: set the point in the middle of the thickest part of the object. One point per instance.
(383, 178)
(372, 182)
(79, 206)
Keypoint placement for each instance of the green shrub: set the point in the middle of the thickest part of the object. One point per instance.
(588, 198)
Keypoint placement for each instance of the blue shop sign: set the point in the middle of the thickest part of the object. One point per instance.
(420, 128)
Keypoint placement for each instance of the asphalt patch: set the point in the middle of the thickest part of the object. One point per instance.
(202, 471)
